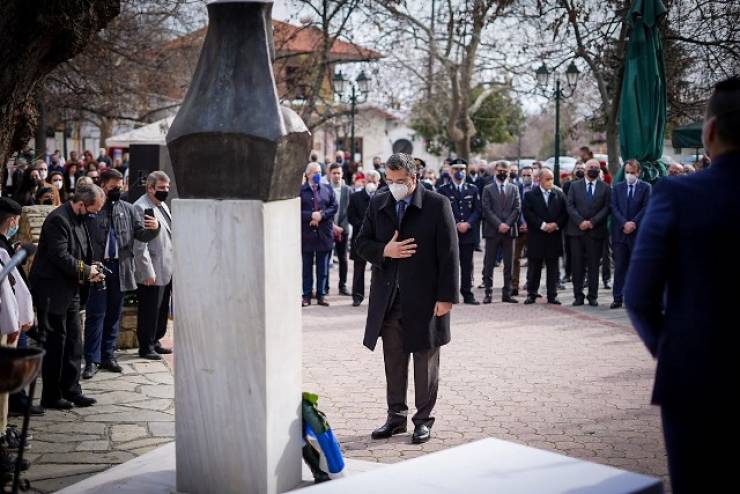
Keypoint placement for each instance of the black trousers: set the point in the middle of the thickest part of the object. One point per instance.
(586, 255)
(358, 279)
(567, 257)
(606, 262)
(340, 249)
(426, 373)
(466, 269)
(154, 309)
(489, 260)
(622, 254)
(63, 359)
(534, 274)
(694, 437)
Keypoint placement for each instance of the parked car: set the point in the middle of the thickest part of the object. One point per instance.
(567, 163)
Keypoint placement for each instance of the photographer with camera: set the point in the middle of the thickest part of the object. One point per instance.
(63, 264)
(112, 233)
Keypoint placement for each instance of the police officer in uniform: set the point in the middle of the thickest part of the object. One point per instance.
(466, 207)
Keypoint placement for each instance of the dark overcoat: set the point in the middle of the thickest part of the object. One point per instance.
(542, 245)
(319, 239)
(431, 275)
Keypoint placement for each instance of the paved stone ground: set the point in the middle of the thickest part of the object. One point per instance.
(571, 380)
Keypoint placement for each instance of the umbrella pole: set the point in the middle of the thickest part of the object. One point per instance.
(24, 435)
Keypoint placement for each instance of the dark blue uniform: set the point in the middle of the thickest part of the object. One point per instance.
(466, 208)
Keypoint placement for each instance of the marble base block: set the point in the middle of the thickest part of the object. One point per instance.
(237, 288)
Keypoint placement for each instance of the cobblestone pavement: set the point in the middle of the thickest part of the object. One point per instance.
(572, 380)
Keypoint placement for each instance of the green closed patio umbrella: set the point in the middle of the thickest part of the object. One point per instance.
(642, 115)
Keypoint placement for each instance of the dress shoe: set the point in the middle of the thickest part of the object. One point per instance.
(111, 365)
(577, 302)
(390, 428)
(162, 350)
(481, 286)
(82, 401)
(607, 286)
(470, 300)
(509, 300)
(514, 292)
(322, 302)
(91, 368)
(422, 434)
(356, 302)
(567, 279)
(60, 404)
(616, 305)
(477, 249)
(151, 356)
(306, 302)
(561, 286)
(530, 300)
(593, 303)
(487, 299)
(497, 264)
(554, 301)
(343, 291)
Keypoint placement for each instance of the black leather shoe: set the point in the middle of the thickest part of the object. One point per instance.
(607, 286)
(356, 302)
(616, 305)
(561, 286)
(82, 401)
(593, 303)
(487, 299)
(514, 292)
(60, 404)
(577, 302)
(322, 302)
(510, 300)
(162, 350)
(91, 368)
(470, 300)
(343, 291)
(151, 356)
(567, 279)
(530, 300)
(422, 434)
(390, 428)
(554, 301)
(111, 365)
(306, 302)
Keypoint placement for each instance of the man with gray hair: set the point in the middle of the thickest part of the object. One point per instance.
(63, 264)
(153, 266)
(358, 203)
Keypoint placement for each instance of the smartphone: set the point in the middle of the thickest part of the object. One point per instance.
(149, 212)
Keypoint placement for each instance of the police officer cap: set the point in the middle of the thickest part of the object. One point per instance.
(10, 206)
(459, 163)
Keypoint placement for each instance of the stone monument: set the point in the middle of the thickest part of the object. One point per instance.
(238, 158)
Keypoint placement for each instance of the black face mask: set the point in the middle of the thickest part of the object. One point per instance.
(47, 202)
(161, 195)
(502, 176)
(579, 173)
(513, 176)
(593, 173)
(114, 195)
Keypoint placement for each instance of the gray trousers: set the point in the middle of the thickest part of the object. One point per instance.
(426, 374)
(489, 260)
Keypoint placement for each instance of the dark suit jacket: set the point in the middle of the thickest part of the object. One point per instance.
(429, 276)
(465, 208)
(680, 291)
(596, 210)
(622, 214)
(358, 203)
(342, 204)
(321, 239)
(497, 209)
(522, 220)
(542, 245)
(55, 275)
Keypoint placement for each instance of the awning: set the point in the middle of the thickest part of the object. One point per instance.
(687, 137)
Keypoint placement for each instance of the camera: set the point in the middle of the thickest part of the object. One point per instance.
(100, 285)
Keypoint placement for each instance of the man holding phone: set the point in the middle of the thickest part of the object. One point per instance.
(153, 263)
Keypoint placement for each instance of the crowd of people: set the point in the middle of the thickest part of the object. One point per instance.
(94, 246)
(579, 231)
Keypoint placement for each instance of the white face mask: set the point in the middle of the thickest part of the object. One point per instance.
(43, 174)
(399, 191)
(631, 178)
(57, 184)
(370, 188)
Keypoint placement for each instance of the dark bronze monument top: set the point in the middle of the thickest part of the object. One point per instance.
(231, 138)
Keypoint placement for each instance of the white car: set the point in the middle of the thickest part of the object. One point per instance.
(567, 163)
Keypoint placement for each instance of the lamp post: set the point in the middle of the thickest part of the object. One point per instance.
(571, 76)
(358, 91)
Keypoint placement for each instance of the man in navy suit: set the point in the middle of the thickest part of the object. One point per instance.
(629, 202)
(681, 296)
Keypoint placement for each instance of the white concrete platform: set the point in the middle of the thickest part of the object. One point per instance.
(486, 466)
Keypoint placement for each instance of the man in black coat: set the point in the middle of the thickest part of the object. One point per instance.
(588, 208)
(358, 203)
(545, 210)
(409, 237)
(61, 267)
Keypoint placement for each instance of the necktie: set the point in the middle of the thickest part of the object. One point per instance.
(590, 191)
(501, 189)
(165, 215)
(629, 198)
(629, 195)
(315, 190)
(401, 211)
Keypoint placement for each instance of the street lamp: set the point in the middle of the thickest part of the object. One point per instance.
(359, 85)
(542, 75)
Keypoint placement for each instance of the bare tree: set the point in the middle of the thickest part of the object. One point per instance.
(35, 37)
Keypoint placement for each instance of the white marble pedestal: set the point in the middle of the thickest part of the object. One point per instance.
(238, 351)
